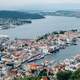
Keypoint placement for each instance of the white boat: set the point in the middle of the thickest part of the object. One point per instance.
(4, 36)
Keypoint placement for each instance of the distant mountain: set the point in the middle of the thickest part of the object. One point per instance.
(75, 13)
(67, 13)
(20, 15)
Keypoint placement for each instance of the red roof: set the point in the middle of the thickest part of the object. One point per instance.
(45, 78)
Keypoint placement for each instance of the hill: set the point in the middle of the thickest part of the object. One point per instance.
(63, 13)
(19, 15)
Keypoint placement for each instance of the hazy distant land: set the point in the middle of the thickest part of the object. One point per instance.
(63, 13)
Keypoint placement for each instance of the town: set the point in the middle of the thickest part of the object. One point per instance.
(17, 56)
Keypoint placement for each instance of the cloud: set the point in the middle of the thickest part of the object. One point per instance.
(12, 4)
(64, 1)
(21, 2)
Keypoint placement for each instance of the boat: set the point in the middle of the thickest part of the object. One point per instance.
(73, 42)
(53, 49)
(40, 56)
(6, 26)
(62, 46)
(4, 36)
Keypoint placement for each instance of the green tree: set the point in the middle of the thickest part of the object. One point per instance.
(29, 78)
(64, 75)
(43, 73)
(75, 75)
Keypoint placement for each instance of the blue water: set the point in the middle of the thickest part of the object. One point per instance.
(58, 57)
(42, 26)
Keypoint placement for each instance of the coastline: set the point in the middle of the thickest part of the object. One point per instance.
(55, 51)
(19, 54)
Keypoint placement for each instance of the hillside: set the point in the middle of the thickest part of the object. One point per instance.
(19, 15)
(67, 13)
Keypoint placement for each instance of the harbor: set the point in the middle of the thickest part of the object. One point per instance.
(39, 39)
(20, 55)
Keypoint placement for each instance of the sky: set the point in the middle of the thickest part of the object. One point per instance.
(39, 4)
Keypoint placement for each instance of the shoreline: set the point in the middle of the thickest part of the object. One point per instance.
(18, 54)
(55, 51)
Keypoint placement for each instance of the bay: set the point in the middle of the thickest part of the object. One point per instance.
(41, 26)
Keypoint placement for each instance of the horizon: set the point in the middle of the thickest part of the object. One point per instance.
(46, 5)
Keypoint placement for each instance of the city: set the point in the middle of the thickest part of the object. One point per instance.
(39, 40)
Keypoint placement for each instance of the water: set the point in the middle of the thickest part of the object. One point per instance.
(58, 57)
(42, 26)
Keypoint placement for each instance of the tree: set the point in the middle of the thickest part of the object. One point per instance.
(28, 78)
(76, 75)
(43, 73)
(62, 32)
(64, 75)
